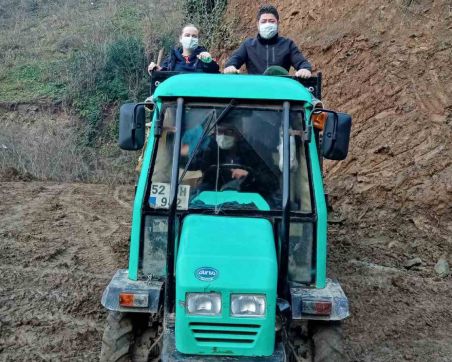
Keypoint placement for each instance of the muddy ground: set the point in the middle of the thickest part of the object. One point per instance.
(59, 246)
(61, 243)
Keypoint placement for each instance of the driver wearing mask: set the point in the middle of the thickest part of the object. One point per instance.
(227, 140)
(226, 149)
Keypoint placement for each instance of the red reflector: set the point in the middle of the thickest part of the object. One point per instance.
(316, 307)
(323, 308)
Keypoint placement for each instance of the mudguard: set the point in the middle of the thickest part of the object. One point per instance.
(122, 283)
(332, 292)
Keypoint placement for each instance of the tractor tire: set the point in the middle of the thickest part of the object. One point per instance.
(117, 339)
(148, 344)
(328, 342)
(298, 344)
(127, 337)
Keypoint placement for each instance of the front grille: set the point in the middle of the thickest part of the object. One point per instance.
(224, 333)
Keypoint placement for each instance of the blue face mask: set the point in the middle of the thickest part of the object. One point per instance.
(189, 42)
(268, 30)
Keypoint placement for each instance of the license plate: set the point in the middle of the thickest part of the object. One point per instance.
(160, 196)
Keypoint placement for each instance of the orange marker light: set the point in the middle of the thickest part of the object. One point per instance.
(126, 299)
(318, 119)
(133, 300)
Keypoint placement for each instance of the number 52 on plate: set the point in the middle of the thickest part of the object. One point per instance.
(159, 197)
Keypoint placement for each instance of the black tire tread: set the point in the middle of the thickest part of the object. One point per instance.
(117, 338)
(328, 342)
(142, 351)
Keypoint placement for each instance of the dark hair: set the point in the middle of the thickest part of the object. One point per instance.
(267, 9)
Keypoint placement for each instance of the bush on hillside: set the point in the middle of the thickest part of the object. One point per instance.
(208, 15)
(101, 76)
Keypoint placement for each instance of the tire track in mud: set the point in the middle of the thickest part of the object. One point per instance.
(127, 205)
(52, 271)
(59, 246)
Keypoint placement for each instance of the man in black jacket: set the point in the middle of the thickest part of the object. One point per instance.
(225, 149)
(268, 49)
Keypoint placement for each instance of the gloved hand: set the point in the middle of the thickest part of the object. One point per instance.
(231, 70)
(152, 67)
(205, 57)
(303, 73)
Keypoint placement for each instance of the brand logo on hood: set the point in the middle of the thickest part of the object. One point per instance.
(206, 274)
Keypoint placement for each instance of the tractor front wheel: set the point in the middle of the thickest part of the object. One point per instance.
(117, 339)
(129, 337)
(328, 342)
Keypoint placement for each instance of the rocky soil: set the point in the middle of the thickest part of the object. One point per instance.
(388, 64)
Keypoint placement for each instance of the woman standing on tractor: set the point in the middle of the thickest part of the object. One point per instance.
(190, 57)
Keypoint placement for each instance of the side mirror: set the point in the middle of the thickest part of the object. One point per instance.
(131, 126)
(336, 136)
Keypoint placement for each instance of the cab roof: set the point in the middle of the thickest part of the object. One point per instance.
(202, 85)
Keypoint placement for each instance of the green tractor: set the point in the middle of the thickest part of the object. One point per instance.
(228, 247)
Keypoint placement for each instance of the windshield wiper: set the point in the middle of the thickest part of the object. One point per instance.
(209, 127)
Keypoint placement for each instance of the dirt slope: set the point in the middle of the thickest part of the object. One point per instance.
(388, 63)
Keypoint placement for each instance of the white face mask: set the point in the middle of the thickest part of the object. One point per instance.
(225, 142)
(268, 30)
(189, 42)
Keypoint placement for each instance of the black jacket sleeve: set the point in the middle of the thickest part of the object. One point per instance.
(297, 59)
(239, 57)
(166, 64)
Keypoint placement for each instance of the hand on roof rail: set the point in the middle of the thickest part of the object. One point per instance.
(152, 67)
(231, 70)
(303, 73)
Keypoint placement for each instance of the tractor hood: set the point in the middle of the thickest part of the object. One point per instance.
(239, 251)
(225, 256)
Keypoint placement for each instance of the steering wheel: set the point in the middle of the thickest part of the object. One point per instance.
(234, 184)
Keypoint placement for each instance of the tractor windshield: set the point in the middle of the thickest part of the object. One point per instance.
(232, 162)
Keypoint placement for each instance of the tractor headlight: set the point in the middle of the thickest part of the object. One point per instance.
(247, 305)
(203, 303)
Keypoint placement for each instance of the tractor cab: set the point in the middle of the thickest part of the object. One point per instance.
(229, 225)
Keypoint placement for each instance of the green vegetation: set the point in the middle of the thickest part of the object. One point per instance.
(31, 81)
(91, 56)
(208, 15)
(103, 76)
